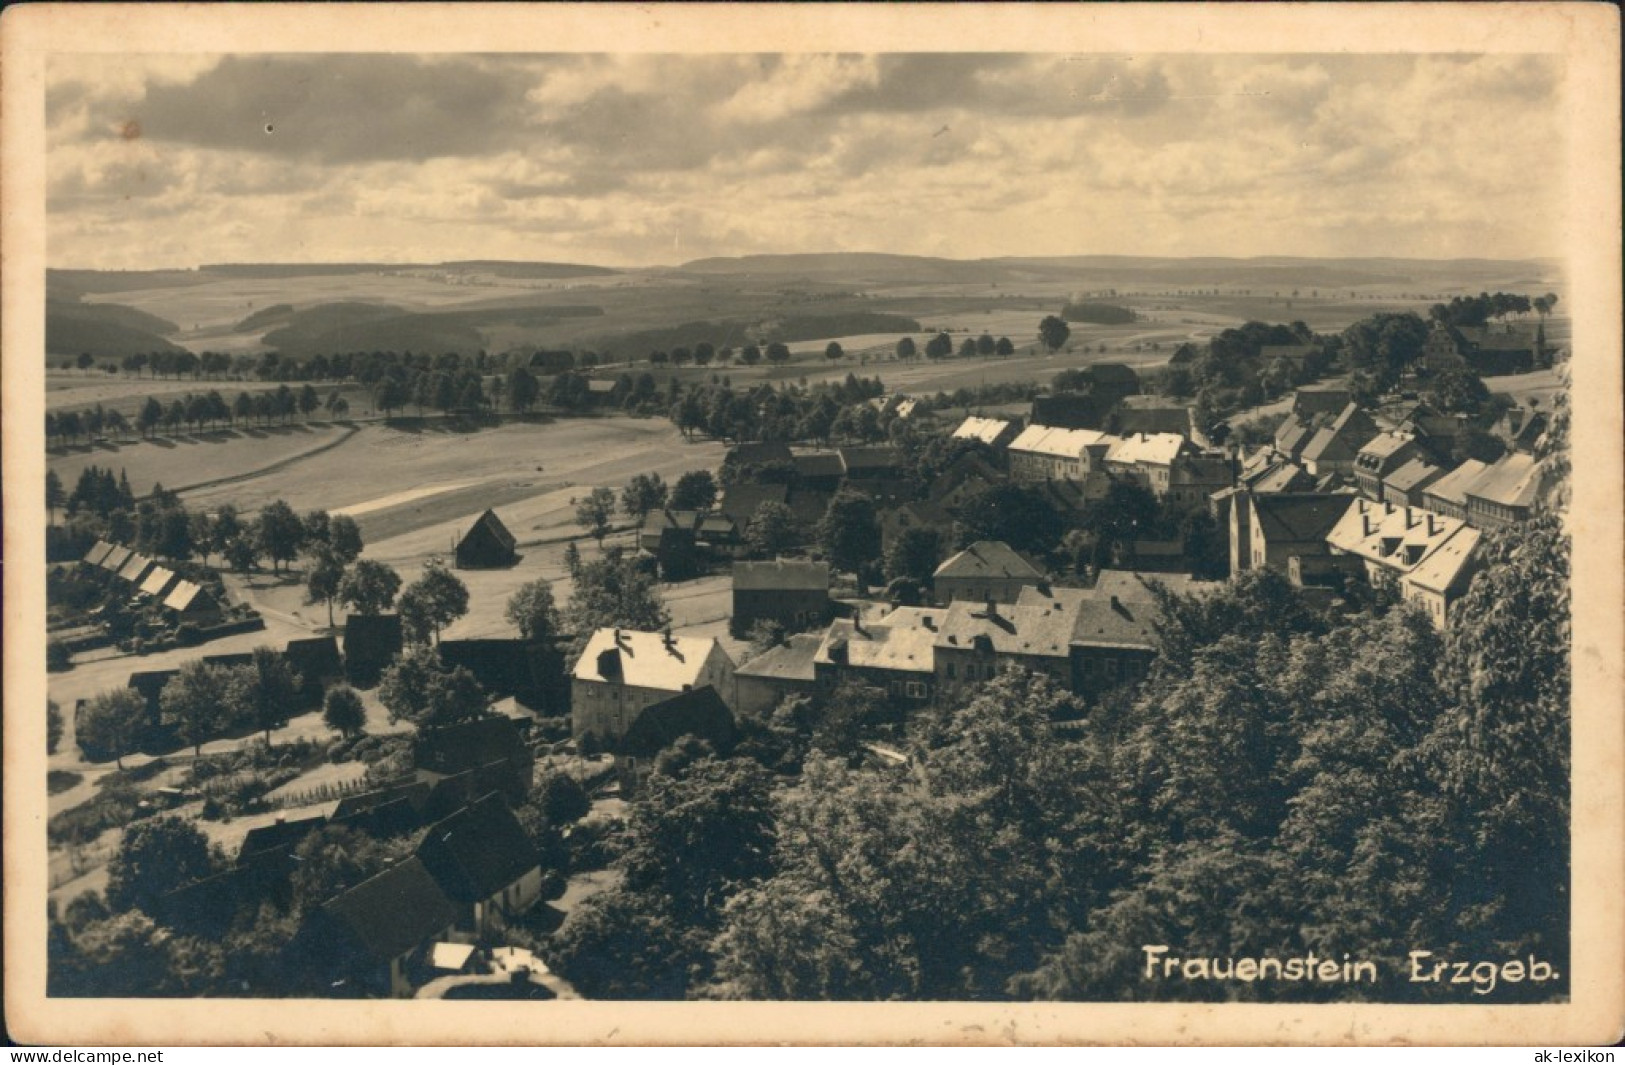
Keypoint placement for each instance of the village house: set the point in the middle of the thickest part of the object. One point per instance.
(1271, 471)
(978, 641)
(1268, 531)
(700, 713)
(1295, 432)
(371, 941)
(1405, 486)
(1071, 410)
(621, 671)
(158, 582)
(1335, 446)
(98, 551)
(986, 571)
(1381, 456)
(188, 602)
(671, 537)
(1153, 415)
(1111, 380)
(1309, 401)
(1520, 428)
(786, 669)
(996, 433)
(820, 471)
(487, 545)
(915, 514)
(740, 502)
(485, 865)
(1507, 492)
(1192, 478)
(316, 660)
(1391, 541)
(1448, 494)
(135, 570)
(115, 559)
(792, 594)
(496, 745)
(871, 463)
(1148, 460)
(1041, 453)
(1439, 581)
(962, 478)
(1488, 351)
(893, 654)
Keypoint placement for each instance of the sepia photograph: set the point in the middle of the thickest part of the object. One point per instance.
(1048, 512)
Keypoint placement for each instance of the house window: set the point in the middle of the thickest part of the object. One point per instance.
(916, 690)
(1111, 669)
(951, 671)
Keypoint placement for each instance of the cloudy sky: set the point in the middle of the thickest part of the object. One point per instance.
(648, 159)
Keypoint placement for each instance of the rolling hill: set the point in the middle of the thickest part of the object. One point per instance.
(105, 330)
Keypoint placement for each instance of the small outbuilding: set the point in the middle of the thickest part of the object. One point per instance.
(487, 545)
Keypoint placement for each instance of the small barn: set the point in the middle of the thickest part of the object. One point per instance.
(189, 602)
(317, 662)
(487, 545)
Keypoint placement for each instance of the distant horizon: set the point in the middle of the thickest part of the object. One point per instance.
(1543, 260)
(642, 160)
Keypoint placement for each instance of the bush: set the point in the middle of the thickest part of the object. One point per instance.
(57, 656)
(187, 635)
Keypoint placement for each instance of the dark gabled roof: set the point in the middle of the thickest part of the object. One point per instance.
(1296, 517)
(413, 792)
(1071, 410)
(988, 559)
(1321, 399)
(789, 661)
(870, 458)
(758, 454)
(1485, 338)
(374, 637)
(1343, 438)
(230, 660)
(741, 501)
(781, 575)
(470, 744)
(700, 713)
(317, 656)
(819, 464)
(1268, 353)
(488, 531)
(1150, 420)
(395, 912)
(1111, 373)
(283, 835)
(478, 851)
(501, 666)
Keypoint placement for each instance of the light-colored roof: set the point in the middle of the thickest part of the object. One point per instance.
(1154, 449)
(135, 568)
(1452, 486)
(98, 551)
(181, 596)
(1384, 445)
(1414, 474)
(1343, 438)
(1010, 629)
(1513, 481)
(115, 559)
(157, 581)
(985, 559)
(644, 659)
(781, 576)
(986, 430)
(452, 956)
(1062, 443)
(901, 648)
(1397, 538)
(1442, 570)
(792, 660)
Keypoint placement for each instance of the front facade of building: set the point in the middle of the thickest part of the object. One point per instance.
(986, 571)
(792, 595)
(622, 671)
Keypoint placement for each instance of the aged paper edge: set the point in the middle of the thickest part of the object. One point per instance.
(1586, 36)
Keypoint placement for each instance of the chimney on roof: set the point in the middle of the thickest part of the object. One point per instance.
(1365, 522)
(929, 622)
(1431, 529)
(992, 607)
(1410, 519)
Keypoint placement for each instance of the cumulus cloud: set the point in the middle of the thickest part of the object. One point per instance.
(631, 159)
